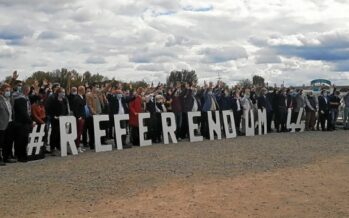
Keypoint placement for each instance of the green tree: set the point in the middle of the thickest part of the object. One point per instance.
(258, 81)
(245, 83)
(182, 76)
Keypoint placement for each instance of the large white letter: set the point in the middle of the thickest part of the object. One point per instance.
(143, 129)
(299, 125)
(193, 127)
(262, 121)
(214, 126)
(249, 130)
(168, 129)
(119, 132)
(99, 133)
(67, 138)
(229, 134)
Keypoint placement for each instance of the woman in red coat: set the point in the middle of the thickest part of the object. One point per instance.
(135, 109)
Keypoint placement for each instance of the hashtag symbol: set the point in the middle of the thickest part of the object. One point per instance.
(35, 140)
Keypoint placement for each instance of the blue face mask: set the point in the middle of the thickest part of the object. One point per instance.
(19, 89)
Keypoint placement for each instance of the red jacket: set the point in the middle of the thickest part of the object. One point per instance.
(135, 108)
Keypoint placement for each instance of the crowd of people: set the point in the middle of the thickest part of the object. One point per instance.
(23, 106)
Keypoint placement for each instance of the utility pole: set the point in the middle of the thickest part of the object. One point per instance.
(219, 76)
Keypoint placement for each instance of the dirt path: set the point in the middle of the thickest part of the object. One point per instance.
(316, 190)
(278, 175)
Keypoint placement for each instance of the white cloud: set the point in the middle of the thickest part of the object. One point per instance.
(147, 39)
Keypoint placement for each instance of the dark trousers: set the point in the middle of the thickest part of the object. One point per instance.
(154, 127)
(184, 127)
(88, 129)
(9, 141)
(2, 141)
(55, 137)
(323, 117)
(269, 119)
(204, 125)
(21, 140)
(134, 137)
(178, 117)
(237, 120)
(281, 119)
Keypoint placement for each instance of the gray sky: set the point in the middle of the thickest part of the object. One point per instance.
(282, 40)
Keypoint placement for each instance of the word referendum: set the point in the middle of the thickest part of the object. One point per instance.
(68, 135)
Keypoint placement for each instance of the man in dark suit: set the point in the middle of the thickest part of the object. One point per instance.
(187, 102)
(265, 104)
(23, 123)
(118, 104)
(78, 108)
(237, 110)
(281, 112)
(324, 110)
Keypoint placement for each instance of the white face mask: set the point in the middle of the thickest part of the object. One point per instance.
(119, 96)
(7, 94)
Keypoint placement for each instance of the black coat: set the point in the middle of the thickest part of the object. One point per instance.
(187, 100)
(20, 108)
(78, 107)
(114, 104)
(323, 106)
(263, 102)
(59, 108)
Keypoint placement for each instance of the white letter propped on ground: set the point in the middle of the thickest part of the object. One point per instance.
(193, 127)
(249, 118)
(68, 132)
(214, 126)
(262, 121)
(230, 131)
(119, 132)
(143, 129)
(300, 124)
(97, 119)
(169, 130)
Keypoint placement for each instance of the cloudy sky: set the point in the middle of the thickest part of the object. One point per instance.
(293, 41)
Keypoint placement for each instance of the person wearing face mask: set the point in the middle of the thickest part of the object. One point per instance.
(23, 123)
(346, 111)
(59, 108)
(135, 108)
(78, 108)
(281, 111)
(299, 103)
(71, 96)
(5, 117)
(310, 109)
(91, 107)
(237, 110)
(335, 102)
(118, 105)
(8, 143)
(209, 104)
(324, 111)
(176, 105)
(264, 103)
(247, 106)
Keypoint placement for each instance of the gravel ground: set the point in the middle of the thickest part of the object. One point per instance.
(89, 177)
